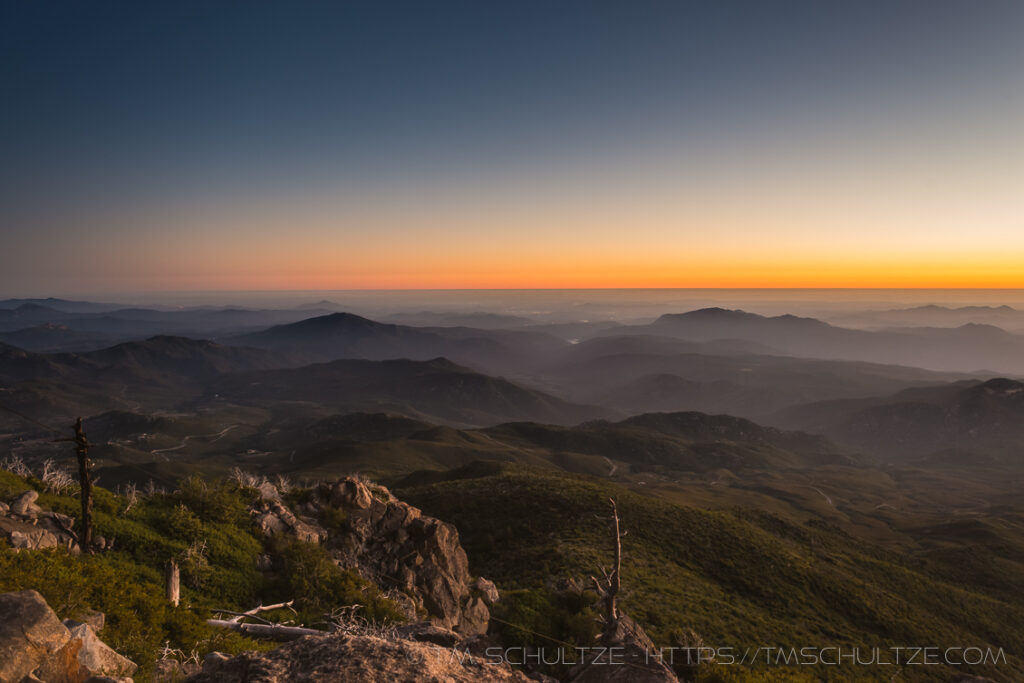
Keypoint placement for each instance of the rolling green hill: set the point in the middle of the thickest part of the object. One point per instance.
(740, 578)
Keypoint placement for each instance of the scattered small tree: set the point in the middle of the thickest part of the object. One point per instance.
(57, 479)
(16, 465)
(131, 496)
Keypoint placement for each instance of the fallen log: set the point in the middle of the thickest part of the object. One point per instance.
(238, 616)
(268, 631)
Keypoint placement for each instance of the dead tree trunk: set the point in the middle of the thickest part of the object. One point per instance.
(611, 608)
(85, 483)
(608, 586)
(173, 581)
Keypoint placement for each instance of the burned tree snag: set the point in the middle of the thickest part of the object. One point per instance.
(173, 582)
(85, 483)
(608, 585)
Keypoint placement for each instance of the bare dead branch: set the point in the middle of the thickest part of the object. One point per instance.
(238, 616)
(608, 587)
(268, 631)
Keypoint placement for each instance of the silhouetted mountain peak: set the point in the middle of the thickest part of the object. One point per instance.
(707, 314)
(334, 320)
(725, 316)
(983, 328)
(1001, 386)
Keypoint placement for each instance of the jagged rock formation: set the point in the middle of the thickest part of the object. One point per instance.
(274, 518)
(84, 656)
(392, 544)
(364, 658)
(30, 633)
(34, 642)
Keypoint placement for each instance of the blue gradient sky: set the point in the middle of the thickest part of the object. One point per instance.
(251, 145)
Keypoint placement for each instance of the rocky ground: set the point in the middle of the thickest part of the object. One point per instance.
(343, 657)
(417, 559)
(26, 526)
(37, 646)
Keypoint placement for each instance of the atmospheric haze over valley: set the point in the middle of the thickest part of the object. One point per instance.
(872, 439)
(475, 342)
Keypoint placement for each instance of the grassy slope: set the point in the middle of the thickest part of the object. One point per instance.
(127, 584)
(739, 578)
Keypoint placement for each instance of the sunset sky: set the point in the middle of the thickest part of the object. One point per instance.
(333, 145)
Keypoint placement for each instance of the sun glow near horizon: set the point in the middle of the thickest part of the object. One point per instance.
(840, 156)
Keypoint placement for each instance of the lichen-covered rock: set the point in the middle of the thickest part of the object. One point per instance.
(268, 492)
(349, 493)
(475, 617)
(38, 531)
(30, 633)
(392, 544)
(25, 504)
(22, 535)
(272, 517)
(487, 590)
(84, 656)
(96, 619)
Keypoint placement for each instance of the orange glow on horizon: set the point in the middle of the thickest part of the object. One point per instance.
(322, 272)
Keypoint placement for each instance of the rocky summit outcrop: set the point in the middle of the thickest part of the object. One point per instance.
(392, 544)
(27, 527)
(364, 658)
(35, 645)
(274, 518)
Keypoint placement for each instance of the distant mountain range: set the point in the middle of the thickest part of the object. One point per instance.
(344, 335)
(54, 324)
(157, 373)
(965, 421)
(437, 390)
(643, 373)
(503, 344)
(304, 445)
(969, 348)
(935, 316)
(710, 360)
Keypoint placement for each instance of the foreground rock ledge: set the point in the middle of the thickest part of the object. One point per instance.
(34, 642)
(368, 659)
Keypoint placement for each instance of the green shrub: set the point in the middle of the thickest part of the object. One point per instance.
(223, 502)
(182, 524)
(139, 620)
(332, 518)
(318, 585)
